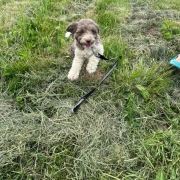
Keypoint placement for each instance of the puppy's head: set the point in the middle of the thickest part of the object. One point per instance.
(85, 32)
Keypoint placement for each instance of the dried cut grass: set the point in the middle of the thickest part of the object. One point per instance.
(95, 136)
(144, 31)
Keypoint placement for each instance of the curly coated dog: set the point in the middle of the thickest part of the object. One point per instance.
(86, 36)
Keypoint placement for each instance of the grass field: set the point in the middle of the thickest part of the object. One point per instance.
(127, 130)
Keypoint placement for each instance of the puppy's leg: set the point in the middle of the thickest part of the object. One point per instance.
(93, 61)
(75, 69)
(92, 64)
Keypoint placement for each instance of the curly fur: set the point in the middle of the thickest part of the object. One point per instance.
(86, 36)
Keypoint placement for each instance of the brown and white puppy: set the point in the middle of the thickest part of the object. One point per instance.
(86, 36)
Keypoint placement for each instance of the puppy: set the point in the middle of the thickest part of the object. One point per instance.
(86, 36)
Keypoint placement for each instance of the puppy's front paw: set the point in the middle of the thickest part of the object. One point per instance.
(91, 69)
(73, 75)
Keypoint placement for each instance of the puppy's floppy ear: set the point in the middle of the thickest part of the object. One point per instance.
(72, 27)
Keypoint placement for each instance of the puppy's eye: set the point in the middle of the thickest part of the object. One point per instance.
(94, 31)
(80, 31)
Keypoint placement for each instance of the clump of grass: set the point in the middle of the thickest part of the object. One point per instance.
(108, 19)
(170, 30)
(148, 78)
(114, 46)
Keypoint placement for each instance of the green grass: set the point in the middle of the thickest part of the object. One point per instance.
(167, 4)
(170, 30)
(127, 130)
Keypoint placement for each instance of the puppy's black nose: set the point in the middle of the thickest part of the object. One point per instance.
(88, 41)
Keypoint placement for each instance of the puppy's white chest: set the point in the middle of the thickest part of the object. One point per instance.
(86, 53)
